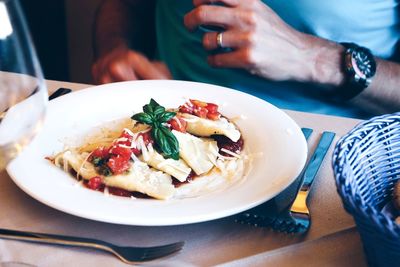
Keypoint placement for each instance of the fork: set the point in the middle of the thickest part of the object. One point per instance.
(296, 217)
(130, 255)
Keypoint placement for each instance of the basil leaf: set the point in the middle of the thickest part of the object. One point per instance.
(159, 110)
(167, 141)
(153, 103)
(151, 107)
(148, 109)
(157, 135)
(154, 115)
(104, 170)
(172, 143)
(166, 116)
(143, 117)
(97, 161)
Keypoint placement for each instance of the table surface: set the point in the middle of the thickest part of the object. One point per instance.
(331, 241)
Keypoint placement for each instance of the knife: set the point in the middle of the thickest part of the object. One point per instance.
(59, 92)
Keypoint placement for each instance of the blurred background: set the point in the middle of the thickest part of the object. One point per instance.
(62, 34)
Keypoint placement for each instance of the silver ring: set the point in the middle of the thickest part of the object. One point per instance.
(220, 43)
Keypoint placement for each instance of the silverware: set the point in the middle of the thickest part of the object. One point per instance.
(265, 214)
(129, 255)
(59, 92)
(296, 217)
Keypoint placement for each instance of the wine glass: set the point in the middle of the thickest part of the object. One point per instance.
(23, 93)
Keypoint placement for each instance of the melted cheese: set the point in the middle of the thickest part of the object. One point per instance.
(145, 180)
(77, 161)
(205, 127)
(196, 152)
(176, 168)
(140, 177)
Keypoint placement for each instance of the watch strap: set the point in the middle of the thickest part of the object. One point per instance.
(354, 83)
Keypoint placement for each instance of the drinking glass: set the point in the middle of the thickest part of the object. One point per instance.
(23, 93)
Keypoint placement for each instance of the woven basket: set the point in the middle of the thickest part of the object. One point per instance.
(366, 164)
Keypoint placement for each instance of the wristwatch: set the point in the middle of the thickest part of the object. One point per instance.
(359, 67)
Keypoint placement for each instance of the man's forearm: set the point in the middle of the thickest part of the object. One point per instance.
(125, 22)
(384, 90)
(383, 94)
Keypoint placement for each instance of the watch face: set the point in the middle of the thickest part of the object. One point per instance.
(363, 63)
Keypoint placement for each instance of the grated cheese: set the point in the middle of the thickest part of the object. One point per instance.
(178, 121)
(81, 167)
(231, 153)
(143, 147)
(150, 148)
(121, 139)
(129, 132)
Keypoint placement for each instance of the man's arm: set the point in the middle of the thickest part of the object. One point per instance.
(266, 46)
(382, 95)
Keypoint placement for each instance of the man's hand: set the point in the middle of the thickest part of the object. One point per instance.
(261, 41)
(123, 64)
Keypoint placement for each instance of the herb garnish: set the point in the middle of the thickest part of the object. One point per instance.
(155, 115)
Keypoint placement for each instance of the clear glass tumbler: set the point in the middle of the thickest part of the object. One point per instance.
(23, 93)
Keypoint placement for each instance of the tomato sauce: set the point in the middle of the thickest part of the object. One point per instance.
(228, 144)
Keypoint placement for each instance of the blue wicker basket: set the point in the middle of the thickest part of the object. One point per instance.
(366, 164)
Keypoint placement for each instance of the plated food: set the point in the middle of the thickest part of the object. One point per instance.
(273, 142)
(160, 153)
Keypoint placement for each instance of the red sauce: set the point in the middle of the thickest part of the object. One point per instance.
(228, 144)
(189, 179)
(119, 192)
(116, 191)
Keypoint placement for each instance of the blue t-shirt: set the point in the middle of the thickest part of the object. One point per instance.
(370, 23)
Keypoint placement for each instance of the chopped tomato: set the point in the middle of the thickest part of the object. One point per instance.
(178, 124)
(123, 152)
(201, 109)
(186, 109)
(198, 103)
(118, 164)
(147, 138)
(213, 115)
(136, 151)
(200, 112)
(212, 108)
(95, 183)
(126, 134)
(101, 152)
(127, 138)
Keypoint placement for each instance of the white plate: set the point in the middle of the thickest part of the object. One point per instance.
(267, 131)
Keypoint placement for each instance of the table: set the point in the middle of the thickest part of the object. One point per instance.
(332, 240)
